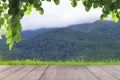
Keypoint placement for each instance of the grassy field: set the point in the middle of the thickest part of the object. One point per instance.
(70, 63)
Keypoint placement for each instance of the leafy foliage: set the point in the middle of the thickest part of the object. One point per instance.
(11, 11)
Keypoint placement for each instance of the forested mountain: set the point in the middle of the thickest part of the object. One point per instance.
(28, 34)
(90, 42)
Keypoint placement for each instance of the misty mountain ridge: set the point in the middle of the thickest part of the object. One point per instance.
(90, 42)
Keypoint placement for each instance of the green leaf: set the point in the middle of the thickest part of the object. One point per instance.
(41, 10)
(18, 38)
(3, 31)
(19, 27)
(37, 3)
(57, 2)
(49, 0)
(102, 17)
(8, 34)
(95, 5)
(30, 1)
(5, 26)
(11, 45)
(4, 0)
(1, 21)
(87, 8)
(114, 16)
(5, 5)
(29, 9)
(0, 36)
(6, 16)
(74, 3)
(9, 40)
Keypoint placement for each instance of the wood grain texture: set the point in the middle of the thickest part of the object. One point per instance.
(74, 73)
(60, 72)
(112, 71)
(49, 74)
(9, 72)
(100, 74)
(35, 74)
(19, 74)
(3, 68)
(84, 74)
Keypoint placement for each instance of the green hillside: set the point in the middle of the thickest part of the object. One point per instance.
(98, 41)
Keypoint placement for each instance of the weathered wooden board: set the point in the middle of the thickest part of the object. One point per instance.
(100, 74)
(3, 68)
(35, 74)
(60, 72)
(9, 72)
(112, 71)
(49, 74)
(73, 73)
(20, 73)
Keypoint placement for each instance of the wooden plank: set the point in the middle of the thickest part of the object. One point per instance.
(70, 73)
(3, 68)
(111, 70)
(78, 73)
(21, 73)
(49, 74)
(117, 67)
(61, 72)
(35, 74)
(10, 71)
(67, 73)
(84, 74)
(100, 74)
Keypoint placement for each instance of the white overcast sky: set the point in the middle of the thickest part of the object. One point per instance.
(60, 16)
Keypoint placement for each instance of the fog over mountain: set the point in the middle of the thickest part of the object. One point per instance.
(60, 16)
(97, 41)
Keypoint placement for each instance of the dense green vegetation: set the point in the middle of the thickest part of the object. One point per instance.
(98, 41)
(65, 63)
